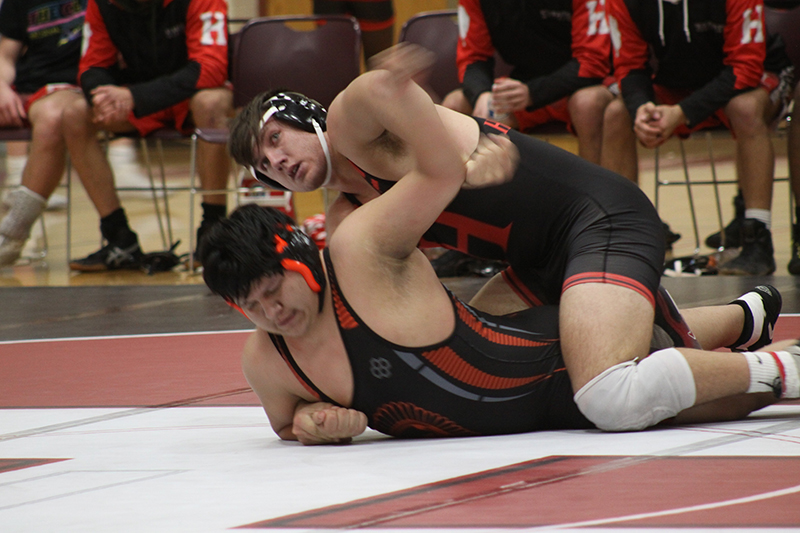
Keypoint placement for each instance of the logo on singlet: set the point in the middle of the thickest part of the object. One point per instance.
(380, 367)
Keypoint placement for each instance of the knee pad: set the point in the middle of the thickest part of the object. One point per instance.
(631, 396)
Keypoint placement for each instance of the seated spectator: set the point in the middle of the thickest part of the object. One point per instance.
(715, 66)
(38, 70)
(375, 18)
(148, 64)
(559, 53)
(794, 177)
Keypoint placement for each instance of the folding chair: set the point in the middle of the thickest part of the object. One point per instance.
(437, 31)
(316, 55)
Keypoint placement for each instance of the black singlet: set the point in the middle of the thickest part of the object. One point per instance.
(493, 375)
(560, 221)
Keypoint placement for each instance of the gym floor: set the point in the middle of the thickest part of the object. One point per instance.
(123, 408)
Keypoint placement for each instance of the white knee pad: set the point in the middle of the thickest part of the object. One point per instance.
(631, 396)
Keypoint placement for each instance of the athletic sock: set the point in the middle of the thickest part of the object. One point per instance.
(762, 215)
(115, 228)
(25, 208)
(213, 212)
(775, 372)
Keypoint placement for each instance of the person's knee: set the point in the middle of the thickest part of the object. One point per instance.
(76, 117)
(47, 124)
(456, 101)
(211, 108)
(747, 113)
(589, 104)
(632, 396)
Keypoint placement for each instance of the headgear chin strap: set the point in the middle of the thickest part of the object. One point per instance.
(299, 254)
(302, 112)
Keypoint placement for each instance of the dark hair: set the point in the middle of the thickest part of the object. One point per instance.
(290, 107)
(245, 130)
(239, 250)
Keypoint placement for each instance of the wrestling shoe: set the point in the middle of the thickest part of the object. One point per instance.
(732, 230)
(794, 262)
(761, 306)
(121, 254)
(757, 257)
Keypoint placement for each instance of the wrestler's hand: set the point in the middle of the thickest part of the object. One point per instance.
(12, 112)
(323, 423)
(111, 104)
(493, 162)
(406, 62)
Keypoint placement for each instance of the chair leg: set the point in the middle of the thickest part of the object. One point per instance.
(716, 186)
(160, 145)
(690, 197)
(192, 194)
(156, 206)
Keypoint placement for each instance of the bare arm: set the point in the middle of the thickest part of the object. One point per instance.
(387, 106)
(291, 416)
(12, 112)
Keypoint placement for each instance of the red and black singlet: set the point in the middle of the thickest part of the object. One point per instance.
(492, 375)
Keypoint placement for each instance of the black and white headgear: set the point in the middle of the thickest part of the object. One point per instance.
(303, 112)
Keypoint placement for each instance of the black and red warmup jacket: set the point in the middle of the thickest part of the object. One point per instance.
(554, 46)
(715, 48)
(164, 52)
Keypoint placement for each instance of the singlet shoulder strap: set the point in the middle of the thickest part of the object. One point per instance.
(283, 349)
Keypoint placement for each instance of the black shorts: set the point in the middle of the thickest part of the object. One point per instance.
(561, 221)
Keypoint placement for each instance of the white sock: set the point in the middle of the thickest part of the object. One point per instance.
(762, 215)
(775, 372)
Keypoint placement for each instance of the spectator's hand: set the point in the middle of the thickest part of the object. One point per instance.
(111, 104)
(406, 62)
(647, 127)
(12, 112)
(481, 109)
(493, 162)
(671, 116)
(509, 95)
(323, 423)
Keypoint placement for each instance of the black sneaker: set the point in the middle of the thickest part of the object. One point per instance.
(757, 257)
(794, 262)
(110, 257)
(732, 230)
(761, 307)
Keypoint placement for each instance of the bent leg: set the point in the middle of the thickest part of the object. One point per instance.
(47, 157)
(619, 141)
(211, 108)
(602, 325)
(586, 108)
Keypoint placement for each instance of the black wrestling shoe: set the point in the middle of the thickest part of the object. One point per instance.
(112, 256)
(757, 257)
(732, 230)
(762, 306)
